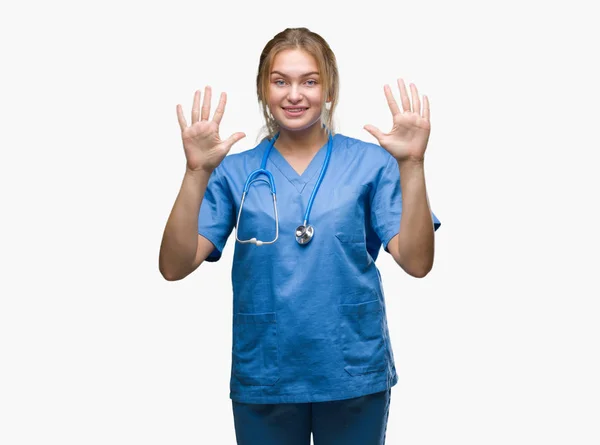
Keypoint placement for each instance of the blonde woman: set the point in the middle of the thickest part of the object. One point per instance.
(311, 210)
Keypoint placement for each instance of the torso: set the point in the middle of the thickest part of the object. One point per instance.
(316, 307)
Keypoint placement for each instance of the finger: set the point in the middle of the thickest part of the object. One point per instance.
(375, 132)
(426, 113)
(220, 108)
(415, 99)
(181, 118)
(404, 96)
(196, 107)
(390, 100)
(234, 138)
(206, 104)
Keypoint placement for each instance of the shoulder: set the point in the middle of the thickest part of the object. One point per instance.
(356, 148)
(239, 160)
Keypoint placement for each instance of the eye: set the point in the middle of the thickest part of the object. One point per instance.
(280, 82)
(311, 82)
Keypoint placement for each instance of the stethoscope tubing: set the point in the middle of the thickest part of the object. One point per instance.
(253, 177)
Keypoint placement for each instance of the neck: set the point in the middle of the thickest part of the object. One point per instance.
(305, 141)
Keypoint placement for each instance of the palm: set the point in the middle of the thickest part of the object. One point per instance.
(411, 128)
(204, 149)
(202, 144)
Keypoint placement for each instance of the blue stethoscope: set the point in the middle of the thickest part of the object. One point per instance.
(305, 232)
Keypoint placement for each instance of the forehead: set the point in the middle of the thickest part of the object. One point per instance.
(294, 62)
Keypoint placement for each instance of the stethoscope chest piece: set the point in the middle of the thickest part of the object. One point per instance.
(304, 234)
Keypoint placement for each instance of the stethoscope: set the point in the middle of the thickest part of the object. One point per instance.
(305, 232)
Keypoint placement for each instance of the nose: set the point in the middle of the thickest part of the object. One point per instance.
(294, 95)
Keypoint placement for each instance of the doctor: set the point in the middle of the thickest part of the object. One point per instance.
(311, 348)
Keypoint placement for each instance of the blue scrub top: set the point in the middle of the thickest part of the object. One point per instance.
(309, 321)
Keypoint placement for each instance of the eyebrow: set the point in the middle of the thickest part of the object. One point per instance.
(302, 75)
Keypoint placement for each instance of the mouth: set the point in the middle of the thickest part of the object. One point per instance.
(294, 111)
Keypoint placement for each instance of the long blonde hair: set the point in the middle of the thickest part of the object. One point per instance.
(315, 45)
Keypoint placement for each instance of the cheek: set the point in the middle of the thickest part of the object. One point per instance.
(275, 96)
(316, 96)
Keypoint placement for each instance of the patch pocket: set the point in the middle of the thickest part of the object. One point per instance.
(255, 348)
(362, 337)
(349, 213)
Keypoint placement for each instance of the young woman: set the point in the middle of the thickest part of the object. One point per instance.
(310, 209)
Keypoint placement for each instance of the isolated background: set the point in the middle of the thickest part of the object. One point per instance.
(498, 344)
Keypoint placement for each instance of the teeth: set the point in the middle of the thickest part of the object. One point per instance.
(295, 109)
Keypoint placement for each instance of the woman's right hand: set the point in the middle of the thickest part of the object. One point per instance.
(204, 149)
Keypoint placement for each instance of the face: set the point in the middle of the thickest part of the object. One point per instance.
(295, 90)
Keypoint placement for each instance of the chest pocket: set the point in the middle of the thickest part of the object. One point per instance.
(349, 213)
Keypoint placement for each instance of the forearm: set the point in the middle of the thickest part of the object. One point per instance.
(180, 237)
(416, 233)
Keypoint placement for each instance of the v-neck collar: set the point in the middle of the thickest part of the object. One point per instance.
(312, 170)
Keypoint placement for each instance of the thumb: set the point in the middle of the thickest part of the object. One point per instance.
(375, 132)
(234, 138)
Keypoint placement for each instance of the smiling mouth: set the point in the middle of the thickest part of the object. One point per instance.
(295, 110)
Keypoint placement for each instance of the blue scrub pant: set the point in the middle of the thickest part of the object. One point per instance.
(357, 421)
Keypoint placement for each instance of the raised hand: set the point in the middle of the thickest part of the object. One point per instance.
(408, 137)
(204, 149)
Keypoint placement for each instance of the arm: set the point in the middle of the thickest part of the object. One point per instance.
(182, 250)
(413, 247)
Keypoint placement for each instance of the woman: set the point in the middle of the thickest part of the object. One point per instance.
(311, 348)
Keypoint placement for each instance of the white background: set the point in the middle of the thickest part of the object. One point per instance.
(498, 344)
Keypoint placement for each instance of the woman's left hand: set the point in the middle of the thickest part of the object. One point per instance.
(409, 135)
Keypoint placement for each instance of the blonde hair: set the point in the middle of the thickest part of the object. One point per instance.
(313, 44)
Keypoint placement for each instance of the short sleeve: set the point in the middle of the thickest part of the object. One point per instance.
(216, 218)
(386, 204)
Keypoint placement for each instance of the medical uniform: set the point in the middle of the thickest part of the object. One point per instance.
(309, 321)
